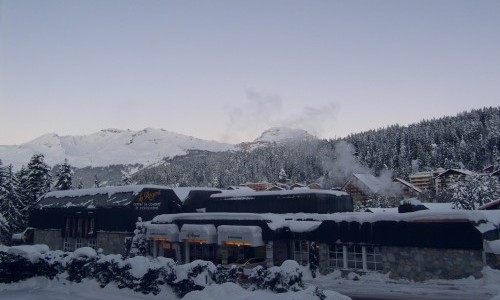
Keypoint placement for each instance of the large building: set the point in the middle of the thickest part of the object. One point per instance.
(418, 245)
(97, 217)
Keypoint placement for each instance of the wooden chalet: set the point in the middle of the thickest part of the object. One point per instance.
(97, 217)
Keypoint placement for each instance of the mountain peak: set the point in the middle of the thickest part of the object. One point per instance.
(283, 134)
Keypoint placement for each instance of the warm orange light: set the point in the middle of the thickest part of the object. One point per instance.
(237, 244)
(197, 241)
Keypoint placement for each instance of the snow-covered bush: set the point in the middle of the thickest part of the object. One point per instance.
(79, 264)
(14, 268)
(223, 275)
(141, 275)
(167, 270)
(107, 268)
(278, 279)
(51, 264)
(193, 276)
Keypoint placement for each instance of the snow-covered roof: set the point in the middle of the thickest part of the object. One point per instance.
(483, 220)
(488, 205)
(94, 197)
(460, 171)
(371, 184)
(240, 234)
(406, 183)
(439, 206)
(382, 210)
(249, 194)
(183, 192)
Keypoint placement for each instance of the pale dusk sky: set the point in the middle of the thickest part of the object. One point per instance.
(227, 70)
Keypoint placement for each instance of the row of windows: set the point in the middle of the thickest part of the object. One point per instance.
(70, 244)
(342, 256)
(79, 226)
(359, 257)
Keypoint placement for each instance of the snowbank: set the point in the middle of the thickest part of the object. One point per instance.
(232, 291)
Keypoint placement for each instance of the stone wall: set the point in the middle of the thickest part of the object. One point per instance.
(111, 242)
(49, 237)
(493, 260)
(429, 263)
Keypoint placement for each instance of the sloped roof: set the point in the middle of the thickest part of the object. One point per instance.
(114, 196)
(370, 182)
(459, 171)
(406, 183)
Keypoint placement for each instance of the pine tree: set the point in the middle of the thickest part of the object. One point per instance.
(23, 192)
(5, 228)
(64, 177)
(13, 208)
(38, 178)
(125, 180)
(97, 183)
(475, 192)
(139, 243)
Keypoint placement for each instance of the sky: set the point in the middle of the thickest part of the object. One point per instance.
(228, 70)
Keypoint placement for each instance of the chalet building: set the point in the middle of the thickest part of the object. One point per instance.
(446, 178)
(408, 190)
(494, 205)
(496, 175)
(258, 186)
(489, 169)
(314, 186)
(363, 186)
(97, 217)
(417, 246)
(280, 201)
(425, 180)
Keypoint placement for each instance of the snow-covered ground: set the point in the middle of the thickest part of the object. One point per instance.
(43, 289)
(378, 286)
(381, 286)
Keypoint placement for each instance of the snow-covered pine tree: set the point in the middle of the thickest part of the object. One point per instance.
(23, 192)
(475, 192)
(282, 176)
(14, 209)
(125, 180)
(38, 179)
(139, 243)
(64, 177)
(97, 183)
(5, 229)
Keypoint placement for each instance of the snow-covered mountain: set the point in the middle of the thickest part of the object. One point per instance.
(277, 135)
(127, 147)
(108, 147)
(283, 134)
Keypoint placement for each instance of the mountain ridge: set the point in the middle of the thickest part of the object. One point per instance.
(112, 146)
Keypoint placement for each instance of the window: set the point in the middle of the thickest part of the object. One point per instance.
(336, 256)
(79, 227)
(67, 245)
(92, 243)
(373, 258)
(301, 252)
(78, 243)
(91, 223)
(355, 257)
(358, 257)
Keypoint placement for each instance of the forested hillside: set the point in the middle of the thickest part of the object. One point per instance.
(469, 140)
